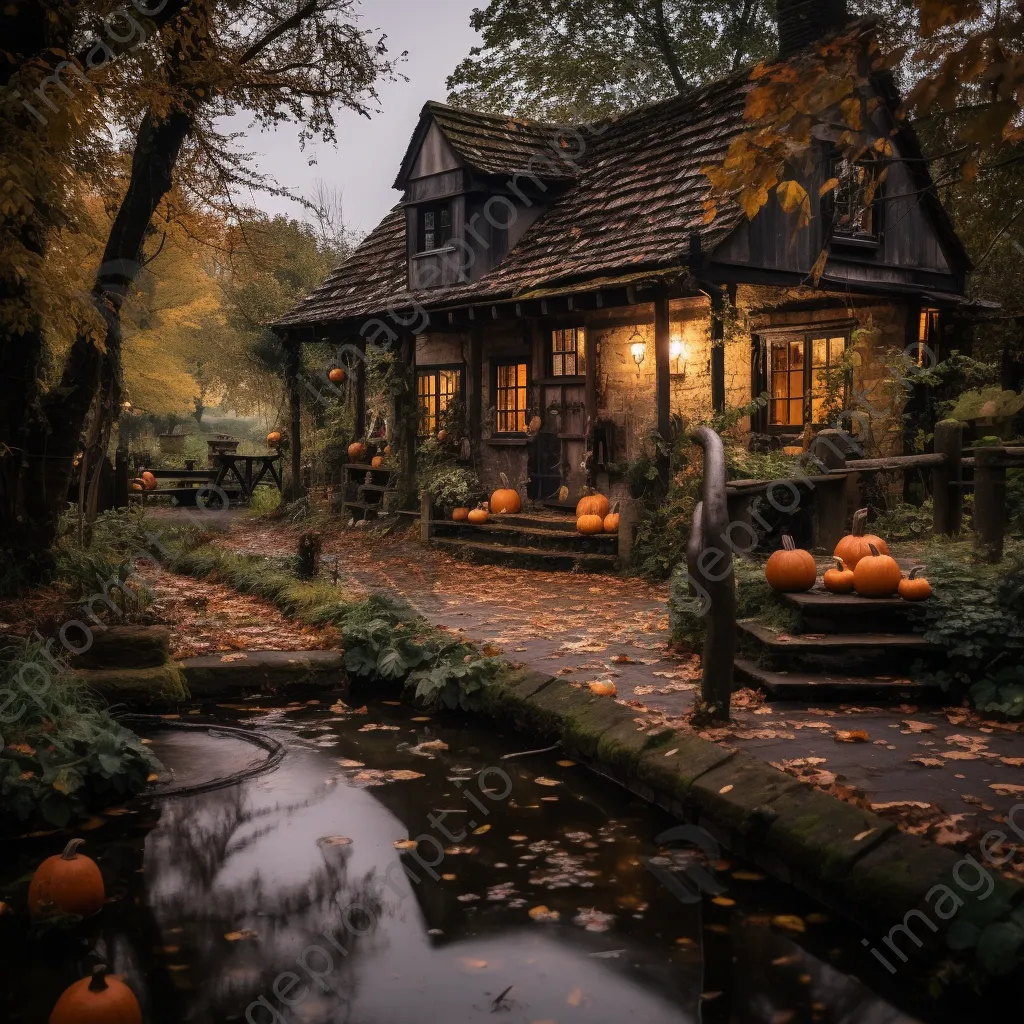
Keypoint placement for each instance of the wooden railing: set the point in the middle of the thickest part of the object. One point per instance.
(709, 562)
(828, 478)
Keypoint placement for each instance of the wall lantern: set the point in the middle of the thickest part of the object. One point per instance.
(679, 352)
(638, 349)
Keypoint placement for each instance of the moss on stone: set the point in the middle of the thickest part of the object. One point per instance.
(738, 793)
(677, 761)
(157, 684)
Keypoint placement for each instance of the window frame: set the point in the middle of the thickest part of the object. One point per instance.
(579, 353)
(496, 366)
(435, 370)
(929, 334)
(437, 208)
(806, 336)
(866, 239)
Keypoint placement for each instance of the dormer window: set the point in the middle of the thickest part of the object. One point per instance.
(435, 227)
(855, 205)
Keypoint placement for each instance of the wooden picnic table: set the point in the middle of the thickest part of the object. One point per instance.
(247, 471)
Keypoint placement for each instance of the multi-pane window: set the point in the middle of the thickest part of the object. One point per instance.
(854, 211)
(797, 369)
(435, 226)
(435, 390)
(928, 338)
(568, 353)
(510, 398)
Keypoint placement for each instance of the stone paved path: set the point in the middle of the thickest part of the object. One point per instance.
(937, 766)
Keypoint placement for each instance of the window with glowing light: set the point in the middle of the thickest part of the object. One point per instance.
(568, 353)
(510, 398)
(797, 368)
(436, 388)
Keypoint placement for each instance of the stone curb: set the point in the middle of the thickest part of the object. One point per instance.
(848, 858)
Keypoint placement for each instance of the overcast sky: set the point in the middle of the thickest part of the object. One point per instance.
(365, 160)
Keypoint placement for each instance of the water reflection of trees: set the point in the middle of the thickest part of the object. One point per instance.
(195, 907)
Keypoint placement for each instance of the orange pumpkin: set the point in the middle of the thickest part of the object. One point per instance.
(387, 449)
(877, 575)
(857, 544)
(611, 521)
(839, 580)
(377, 461)
(149, 480)
(590, 524)
(442, 436)
(914, 587)
(478, 516)
(138, 485)
(602, 688)
(792, 569)
(357, 451)
(69, 883)
(460, 515)
(506, 498)
(337, 375)
(592, 505)
(274, 438)
(99, 999)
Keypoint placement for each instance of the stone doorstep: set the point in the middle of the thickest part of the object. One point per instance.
(850, 859)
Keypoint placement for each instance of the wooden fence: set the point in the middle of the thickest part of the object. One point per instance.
(829, 484)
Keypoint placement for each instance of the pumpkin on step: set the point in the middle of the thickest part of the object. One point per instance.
(478, 516)
(838, 580)
(376, 462)
(460, 515)
(592, 505)
(99, 999)
(505, 500)
(149, 480)
(357, 451)
(611, 521)
(914, 587)
(877, 575)
(69, 883)
(792, 569)
(590, 524)
(857, 544)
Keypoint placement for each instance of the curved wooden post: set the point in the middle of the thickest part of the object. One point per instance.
(947, 479)
(709, 558)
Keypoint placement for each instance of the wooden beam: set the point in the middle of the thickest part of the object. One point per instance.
(662, 379)
(717, 350)
(293, 363)
(947, 479)
(590, 396)
(475, 369)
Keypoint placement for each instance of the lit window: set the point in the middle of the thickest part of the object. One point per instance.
(435, 227)
(510, 398)
(928, 338)
(854, 213)
(797, 369)
(568, 353)
(435, 390)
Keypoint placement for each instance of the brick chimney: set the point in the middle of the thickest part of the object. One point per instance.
(801, 22)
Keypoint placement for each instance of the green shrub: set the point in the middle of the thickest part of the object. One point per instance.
(63, 756)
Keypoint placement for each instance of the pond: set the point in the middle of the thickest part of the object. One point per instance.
(536, 893)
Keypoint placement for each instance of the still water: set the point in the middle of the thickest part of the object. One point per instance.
(296, 894)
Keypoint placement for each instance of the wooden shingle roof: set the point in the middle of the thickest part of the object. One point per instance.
(635, 204)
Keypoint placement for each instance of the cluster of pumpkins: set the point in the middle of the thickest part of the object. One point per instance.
(357, 452)
(145, 482)
(71, 884)
(593, 515)
(863, 566)
(504, 501)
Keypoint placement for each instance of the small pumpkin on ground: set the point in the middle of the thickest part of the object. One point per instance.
(337, 375)
(877, 575)
(460, 515)
(478, 516)
(857, 544)
(357, 451)
(838, 580)
(611, 521)
(914, 587)
(590, 524)
(506, 498)
(792, 569)
(274, 438)
(99, 999)
(376, 462)
(68, 883)
(592, 505)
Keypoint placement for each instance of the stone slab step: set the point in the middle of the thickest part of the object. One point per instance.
(822, 612)
(551, 560)
(500, 531)
(800, 685)
(834, 643)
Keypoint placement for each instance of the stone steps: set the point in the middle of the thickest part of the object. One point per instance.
(809, 685)
(526, 557)
(503, 531)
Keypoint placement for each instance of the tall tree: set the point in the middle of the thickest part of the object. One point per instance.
(577, 60)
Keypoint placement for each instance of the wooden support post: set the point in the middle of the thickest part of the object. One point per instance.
(476, 386)
(407, 418)
(662, 382)
(590, 400)
(947, 479)
(360, 370)
(426, 511)
(717, 351)
(293, 364)
(990, 501)
(829, 456)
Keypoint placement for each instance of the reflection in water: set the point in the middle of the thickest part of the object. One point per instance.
(284, 898)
